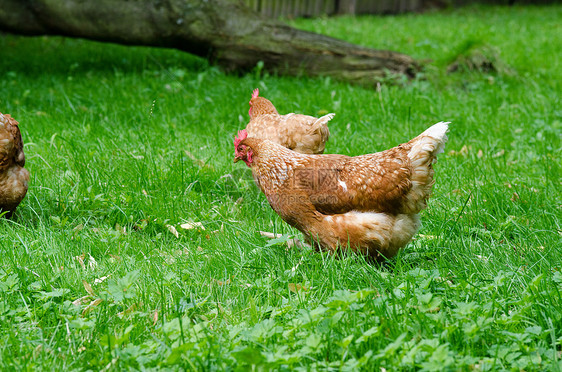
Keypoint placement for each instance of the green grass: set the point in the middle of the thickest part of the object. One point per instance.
(122, 142)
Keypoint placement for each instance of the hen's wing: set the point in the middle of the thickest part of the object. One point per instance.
(339, 184)
(379, 182)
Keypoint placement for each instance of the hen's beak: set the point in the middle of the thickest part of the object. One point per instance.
(237, 157)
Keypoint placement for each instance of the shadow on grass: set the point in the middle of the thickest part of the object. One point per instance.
(56, 55)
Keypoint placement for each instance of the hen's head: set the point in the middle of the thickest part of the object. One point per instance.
(260, 105)
(242, 151)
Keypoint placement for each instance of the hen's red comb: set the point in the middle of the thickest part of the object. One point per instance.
(256, 93)
(240, 137)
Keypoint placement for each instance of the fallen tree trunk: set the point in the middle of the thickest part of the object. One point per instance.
(226, 32)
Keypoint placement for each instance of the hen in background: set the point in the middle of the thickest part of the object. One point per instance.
(301, 133)
(369, 203)
(13, 176)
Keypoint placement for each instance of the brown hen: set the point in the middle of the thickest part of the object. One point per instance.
(367, 203)
(13, 176)
(301, 133)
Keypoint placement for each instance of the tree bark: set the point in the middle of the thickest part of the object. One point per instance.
(226, 32)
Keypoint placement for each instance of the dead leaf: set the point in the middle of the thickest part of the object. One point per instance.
(110, 364)
(290, 242)
(37, 350)
(296, 287)
(92, 263)
(155, 317)
(81, 300)
(91, 306)
(462, 152)
(78, 228)
(88, 288)
(101, 280)
(192, 225)
(483, 258)
(80, 260)
(173, 230)
(122, 230)
(294, 268)
(498, 154)
(428, 236)
(195, 159)
(444, 280)
(514, 197)
(270, 235)
(129, 310)
(480, 154)
(114, 258)
(33, 272)
(220, 282)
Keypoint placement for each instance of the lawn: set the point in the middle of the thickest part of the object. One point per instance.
(127, 144)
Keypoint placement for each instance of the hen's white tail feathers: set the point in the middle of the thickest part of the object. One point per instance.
(320, 122)
(430, 143)
(422, 154)
(438, 132)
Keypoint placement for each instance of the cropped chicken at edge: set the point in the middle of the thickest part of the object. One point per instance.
(302, 133)
(13, 176)
(369, 203)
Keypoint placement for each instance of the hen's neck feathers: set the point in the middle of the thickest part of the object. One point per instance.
(268, 155)
(262, 106)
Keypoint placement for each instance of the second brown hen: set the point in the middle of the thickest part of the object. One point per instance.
(301, 133)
